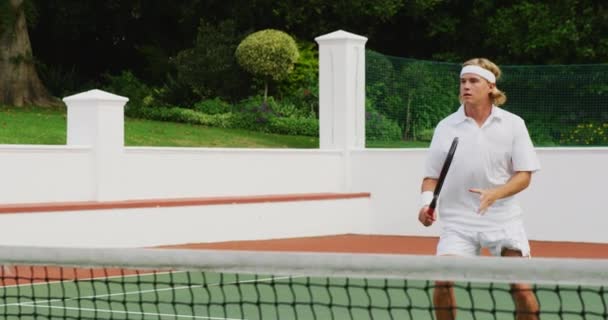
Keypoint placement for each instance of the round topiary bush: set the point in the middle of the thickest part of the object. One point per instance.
(270, 54)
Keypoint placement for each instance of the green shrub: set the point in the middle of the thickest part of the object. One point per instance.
(128, 85)
(378, 127)
(254, 103)
(378, 68)
(221, 120)
(253, 113)
(425, 135)
(209, 69)
(586, 134)
(541, 132)
(294, 126)
(269, 54)
(249, 114)
(213, 106)
(305, 76)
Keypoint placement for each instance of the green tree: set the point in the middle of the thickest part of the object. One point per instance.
(311, 18)
(556, 32)
(209, 69)
(431, 92)
(269, 54)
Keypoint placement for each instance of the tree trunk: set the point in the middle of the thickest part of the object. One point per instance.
(19, 81)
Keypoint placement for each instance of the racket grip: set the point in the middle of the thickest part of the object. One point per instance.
(432, 205)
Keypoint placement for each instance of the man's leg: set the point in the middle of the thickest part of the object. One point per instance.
(452, 242)
(444, 300)
(526, 304)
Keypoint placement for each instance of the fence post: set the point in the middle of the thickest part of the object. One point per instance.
(341, 90)
(96, 118)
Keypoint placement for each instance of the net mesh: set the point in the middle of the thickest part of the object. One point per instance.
(196, 284)
(563, 105)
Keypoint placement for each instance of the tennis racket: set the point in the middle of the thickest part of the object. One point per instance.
(442, 174)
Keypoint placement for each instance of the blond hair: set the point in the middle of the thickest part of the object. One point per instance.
(498, 97)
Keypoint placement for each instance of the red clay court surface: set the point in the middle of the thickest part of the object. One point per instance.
(353, 243)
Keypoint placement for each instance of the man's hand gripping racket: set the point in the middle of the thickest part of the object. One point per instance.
(428, 216)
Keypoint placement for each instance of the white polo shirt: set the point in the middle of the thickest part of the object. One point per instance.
(486, 157)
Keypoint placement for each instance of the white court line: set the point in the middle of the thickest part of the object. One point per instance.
(90, 279)
(46, 303)
(173, 316)
(84, 279)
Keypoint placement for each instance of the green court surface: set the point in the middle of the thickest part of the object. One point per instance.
(196, 295)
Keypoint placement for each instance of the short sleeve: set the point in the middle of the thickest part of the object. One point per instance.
(434, 157)
(524, 156)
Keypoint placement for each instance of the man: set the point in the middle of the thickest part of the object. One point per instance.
(494, 161)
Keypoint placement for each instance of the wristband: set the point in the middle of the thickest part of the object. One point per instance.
(425, 198)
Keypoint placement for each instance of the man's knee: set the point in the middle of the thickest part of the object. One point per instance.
(443, 285)
(524, 297)
(522, 291)
(443, 292)
(511, 253)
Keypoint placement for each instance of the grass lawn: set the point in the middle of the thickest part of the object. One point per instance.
(34, 125)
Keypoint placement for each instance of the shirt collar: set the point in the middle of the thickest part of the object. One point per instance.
(460, 116)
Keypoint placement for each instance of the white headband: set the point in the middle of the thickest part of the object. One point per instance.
(484, 73)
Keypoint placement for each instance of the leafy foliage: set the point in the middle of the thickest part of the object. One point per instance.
(359, 16)
(128, 85)
(378, 127)
(249, 114)
(270, 54)
(550, 32)
(585, 134)
(305, 74)
(415, 94)
(7, 16)
(209, 69)
(213, 106)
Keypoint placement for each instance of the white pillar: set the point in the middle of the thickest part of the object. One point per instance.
(341, 90)
(96, 119)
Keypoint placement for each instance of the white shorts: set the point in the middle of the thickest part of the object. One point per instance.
(466, 243)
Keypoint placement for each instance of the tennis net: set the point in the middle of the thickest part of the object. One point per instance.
(75, 283)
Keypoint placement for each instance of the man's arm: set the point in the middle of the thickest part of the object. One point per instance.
(428, 185)
(518, 182)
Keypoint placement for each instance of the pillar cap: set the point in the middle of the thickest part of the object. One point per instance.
(340, 35)
(95, 95)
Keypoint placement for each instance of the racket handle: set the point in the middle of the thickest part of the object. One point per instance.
(433, 204)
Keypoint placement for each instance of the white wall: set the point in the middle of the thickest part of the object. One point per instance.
(191, 224)
(45, 173)
(566, 200)
(563, 203)
(65, 173)
(195, 172)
